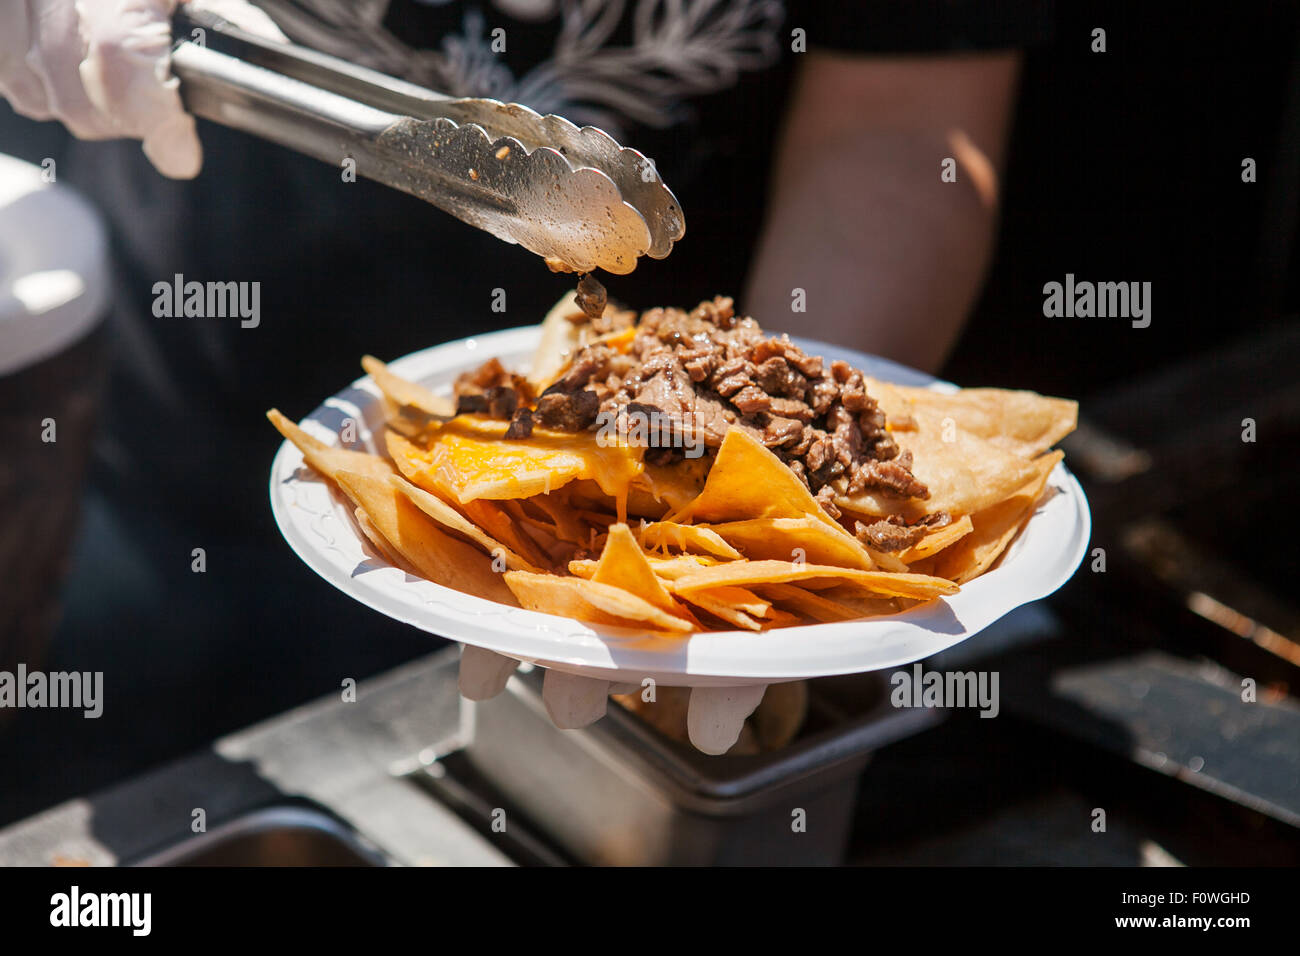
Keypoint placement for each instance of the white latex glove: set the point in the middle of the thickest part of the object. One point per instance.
(714, 720)
(103, 69)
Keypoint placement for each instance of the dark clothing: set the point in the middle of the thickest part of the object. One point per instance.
(1124, 167)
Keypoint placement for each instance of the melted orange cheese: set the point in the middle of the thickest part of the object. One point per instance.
(470, 458)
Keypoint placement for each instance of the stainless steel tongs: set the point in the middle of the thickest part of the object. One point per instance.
(573, 196)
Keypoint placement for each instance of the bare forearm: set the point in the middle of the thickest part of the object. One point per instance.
(889, 256)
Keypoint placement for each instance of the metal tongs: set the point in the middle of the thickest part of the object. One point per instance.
(572, 195)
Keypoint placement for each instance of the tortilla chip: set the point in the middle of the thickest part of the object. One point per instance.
(739, 598)
(490, 516)
(430, 551)
(886, 561)
(820, 542)
(406, 394)
(779, 618)
(1021, 422)
(938, 539)
(865, 605)
(598, 518)
(412, 461)
(676, 485)
(470, 458)
(623, 565)
(994, 528)
(748, 481)
(590, 601)
(542, 533)
(723, 610)
(454, 521)
(752, 573)
(587, 497)
(326, 459)
(668, 569)
(381, 545)
(686, 537)
(964, 475)
(893, 402)
(809, 603)
(560, 339)
(567, 520)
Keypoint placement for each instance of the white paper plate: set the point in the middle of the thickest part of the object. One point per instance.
(318, 525)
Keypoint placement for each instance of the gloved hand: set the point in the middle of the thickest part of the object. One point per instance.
(102, 68)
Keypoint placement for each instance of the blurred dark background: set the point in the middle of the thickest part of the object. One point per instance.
(1123, 166)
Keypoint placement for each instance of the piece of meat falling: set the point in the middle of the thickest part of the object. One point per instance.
(591, 296)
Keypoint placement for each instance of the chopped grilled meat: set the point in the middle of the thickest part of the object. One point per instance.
(521, 425)
(501, 401)
(888, 536)
(824, 498)
(592, 362)
(471, 403)
(710, 370)
(714, 370)
(567, 411)
(490, 389)
(894, 534)
(591, 296)
(894, 476)
(613, 320)
(490, 373)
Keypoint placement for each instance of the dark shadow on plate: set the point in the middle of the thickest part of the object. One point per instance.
(945, 620)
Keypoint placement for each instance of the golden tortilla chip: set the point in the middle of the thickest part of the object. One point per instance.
(470, 458)
(430, 551)
(406, 394)
(623, 565)
(964, 474)
(752, 573)
(587, 497)
(543, 534)
(412, 461)
(567, 520)
(676, 485)
(741, 599)
(1021, 422)
(779, 618)
(994, 528)
(326, 459)
(938, 539)
(385, 549)
(788, 539)
(865, 605)
(560, 339)
(454, 521)
(748, 481)
(490, 516)
(669, 569)
(686, 537)
(723, 610)
(809, 603)
(590, 601)
(886, 561)
(893, 402)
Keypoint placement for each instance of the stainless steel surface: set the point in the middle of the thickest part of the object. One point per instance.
(566, 193)
(620, 793)
(351, 755)
(276, 836)
(408, 774)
